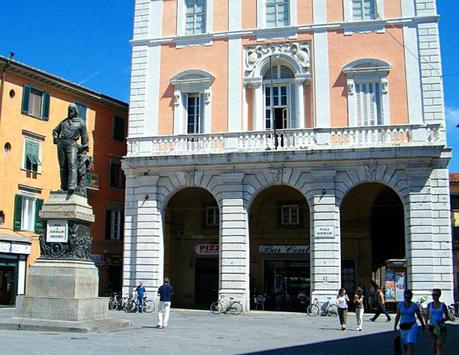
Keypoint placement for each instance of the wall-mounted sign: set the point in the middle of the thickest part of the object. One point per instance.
(56, 231)
(207, 249)
(283, 249)
(21, 248)
(5, 247)
(324, 232)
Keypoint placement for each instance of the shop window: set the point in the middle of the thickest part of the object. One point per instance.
(212, 216)
(290, 215)
(35, 103)
(116, 173)
(119, 130)
(82, 111)
(31, 161)
(114, 224)
(26, 209)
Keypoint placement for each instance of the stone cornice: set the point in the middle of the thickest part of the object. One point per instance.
(267, 34)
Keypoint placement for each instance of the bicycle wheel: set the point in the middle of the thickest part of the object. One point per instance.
(332, 310)
(216, 307)
(235, 308)
(452, 313)
(313, 310)
(131, 306)
(149, 306)
(112, 304)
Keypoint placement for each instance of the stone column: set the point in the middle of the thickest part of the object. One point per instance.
(234, 242)
(143, 244)
(325, 237)
(300, 120)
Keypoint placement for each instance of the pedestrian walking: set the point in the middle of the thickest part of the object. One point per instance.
(436, 315)
(165, 292)
(358, 302)
(341, 301)
(380, 305)
(406, 312)
(140, 294)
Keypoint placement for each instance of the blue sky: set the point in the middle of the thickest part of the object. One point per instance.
(87, 42)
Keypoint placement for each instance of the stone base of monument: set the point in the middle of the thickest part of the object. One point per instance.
(64, 283)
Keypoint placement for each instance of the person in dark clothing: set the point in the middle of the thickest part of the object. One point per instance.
(165, 292)
(140, 294)
(380, 305)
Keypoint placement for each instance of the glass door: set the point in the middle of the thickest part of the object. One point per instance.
(276, 106)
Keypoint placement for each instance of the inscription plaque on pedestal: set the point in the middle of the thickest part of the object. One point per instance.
(57, 231)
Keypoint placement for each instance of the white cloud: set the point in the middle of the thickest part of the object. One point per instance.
(452, 116)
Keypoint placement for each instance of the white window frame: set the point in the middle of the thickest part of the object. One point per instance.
(362, 71)
(212, 216)
(261, 14)
(192, 82)
(38, 142)
(290, 209)
(28, 213)
(181, 18)
(349, 16)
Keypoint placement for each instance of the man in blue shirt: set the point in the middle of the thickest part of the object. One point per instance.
(165, 292)
(140, 293)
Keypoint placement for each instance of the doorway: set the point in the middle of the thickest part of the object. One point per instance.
(7, 285)
(206, 281)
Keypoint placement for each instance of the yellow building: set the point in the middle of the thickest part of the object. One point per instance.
(32, 103)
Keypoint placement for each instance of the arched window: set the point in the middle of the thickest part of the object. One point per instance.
(367, 92)
(279, 97)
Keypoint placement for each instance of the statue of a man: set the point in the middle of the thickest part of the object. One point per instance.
(66, 136)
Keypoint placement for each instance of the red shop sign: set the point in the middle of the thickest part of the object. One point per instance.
(207, 249)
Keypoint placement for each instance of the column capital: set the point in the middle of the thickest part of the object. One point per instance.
(253, 82)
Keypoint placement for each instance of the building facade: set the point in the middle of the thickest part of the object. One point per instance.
(32, 103)
(454, 186)
(286, 146)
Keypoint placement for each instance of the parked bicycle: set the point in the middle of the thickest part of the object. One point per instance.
(148, 306)
(225, 305)
(116, 302)
(325, 309)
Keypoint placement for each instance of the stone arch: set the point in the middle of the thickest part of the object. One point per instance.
(366, 64)
(371, 173)
(192, 76)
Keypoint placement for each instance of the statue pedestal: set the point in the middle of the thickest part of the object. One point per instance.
(64, 282)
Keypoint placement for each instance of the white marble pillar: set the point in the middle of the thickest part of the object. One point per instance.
(257, 107)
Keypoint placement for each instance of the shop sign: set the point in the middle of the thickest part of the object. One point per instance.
(284, 249)
(324, 232)
(56, 231)
(20, 248)
(5, 247)
(207, 249)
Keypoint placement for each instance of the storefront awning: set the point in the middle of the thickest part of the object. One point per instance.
(13, 243)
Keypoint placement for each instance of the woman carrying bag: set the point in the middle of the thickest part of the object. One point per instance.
(436, 315)
(406, 312)
(341, 301)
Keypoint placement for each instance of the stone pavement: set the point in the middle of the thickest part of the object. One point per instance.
(200, 332)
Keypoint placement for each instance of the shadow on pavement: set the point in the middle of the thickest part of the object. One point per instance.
(374, 344)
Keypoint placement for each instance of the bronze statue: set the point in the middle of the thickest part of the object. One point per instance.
(73, 161)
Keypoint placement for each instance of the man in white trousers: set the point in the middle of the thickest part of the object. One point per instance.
(165, 292)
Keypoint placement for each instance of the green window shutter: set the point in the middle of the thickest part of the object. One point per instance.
(28, 155)
(45, 106)
(38, 221)
(25, 100)
(17, 213)
(108, 224)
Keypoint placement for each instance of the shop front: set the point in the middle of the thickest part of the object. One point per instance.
(13, 268)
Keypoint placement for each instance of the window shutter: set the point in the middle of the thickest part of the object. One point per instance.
(38, 221)
(17, 213)
(25, 99)
(201, 113)
(108, 224)
(45, 106)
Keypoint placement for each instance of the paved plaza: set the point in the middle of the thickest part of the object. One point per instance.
(200, 332)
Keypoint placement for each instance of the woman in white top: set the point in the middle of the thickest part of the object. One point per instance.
(341, 301)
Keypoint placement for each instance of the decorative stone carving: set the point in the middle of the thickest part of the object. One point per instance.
(299, 51)
(189, 177)
(350, 87)
(370, 170)
(277, 174)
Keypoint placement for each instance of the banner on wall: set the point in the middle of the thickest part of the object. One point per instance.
(399, 285)
(389, 285)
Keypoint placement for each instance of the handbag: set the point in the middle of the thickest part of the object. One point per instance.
(397, 345)
(406, 326)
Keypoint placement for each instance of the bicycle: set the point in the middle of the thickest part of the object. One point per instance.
(148, 306)
(324, 309)
(234, 307)
(116, 302)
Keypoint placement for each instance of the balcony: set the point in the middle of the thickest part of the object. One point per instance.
(288, 140)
